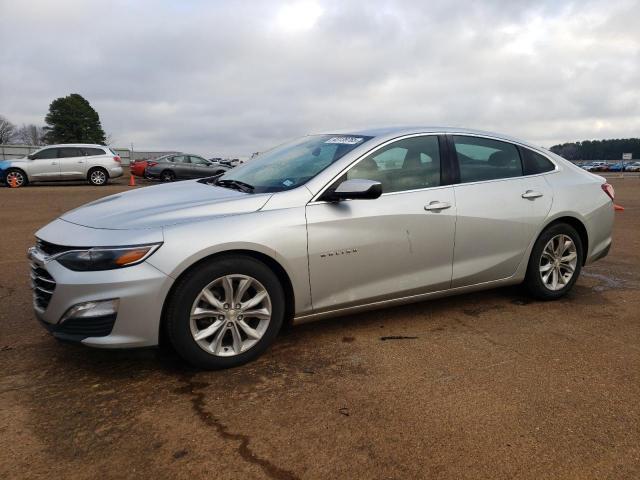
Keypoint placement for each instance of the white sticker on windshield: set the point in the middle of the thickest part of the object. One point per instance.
(345, 140)
(287, 183)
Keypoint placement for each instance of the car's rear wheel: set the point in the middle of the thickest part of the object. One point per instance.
(167, 176)
(225, 313)
(555, 262)
(98, 177)
(15, 178)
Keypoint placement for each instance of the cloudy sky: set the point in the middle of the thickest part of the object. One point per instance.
(231, 77)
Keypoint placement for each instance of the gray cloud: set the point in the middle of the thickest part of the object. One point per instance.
(234, 77)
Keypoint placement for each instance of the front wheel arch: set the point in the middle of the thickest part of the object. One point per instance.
(271, 263)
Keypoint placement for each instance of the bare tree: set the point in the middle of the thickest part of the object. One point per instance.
(30, 135)
(7, 130)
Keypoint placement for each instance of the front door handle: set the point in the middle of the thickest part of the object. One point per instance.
(54, 163)
(437, 205)
(531, 194)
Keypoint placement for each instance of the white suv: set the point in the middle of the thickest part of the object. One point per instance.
(74, 161)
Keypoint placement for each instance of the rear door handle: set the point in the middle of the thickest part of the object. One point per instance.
(437, 205)
(531, 194)
(54, 163)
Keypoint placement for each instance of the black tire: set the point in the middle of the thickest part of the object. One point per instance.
(177, 319)
(167, 176)
(98, 177)
(533, 280)
(21, 179)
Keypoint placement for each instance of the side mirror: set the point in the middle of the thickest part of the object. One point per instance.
(356, 189)
(30, 156)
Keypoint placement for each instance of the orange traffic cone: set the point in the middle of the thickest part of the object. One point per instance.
(132, 180)
(13, 182)
(618, 208)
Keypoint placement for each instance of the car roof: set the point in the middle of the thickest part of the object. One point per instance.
(398, 131)
(94, 145)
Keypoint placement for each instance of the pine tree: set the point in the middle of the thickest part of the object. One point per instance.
(71, 119)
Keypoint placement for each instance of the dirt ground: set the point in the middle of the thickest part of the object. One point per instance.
(489, 385)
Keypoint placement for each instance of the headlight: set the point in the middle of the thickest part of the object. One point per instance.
(106, 258)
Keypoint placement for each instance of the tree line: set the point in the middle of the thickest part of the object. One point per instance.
(598, 149)
(70, 119)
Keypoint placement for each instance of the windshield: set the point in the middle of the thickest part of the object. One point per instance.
(292, 164)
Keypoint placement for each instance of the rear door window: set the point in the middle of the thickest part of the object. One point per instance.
(481, 159)
(68, 152)
(179, 159)
(198, 161)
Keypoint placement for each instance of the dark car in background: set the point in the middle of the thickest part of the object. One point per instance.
(183, 166)
(138, 167)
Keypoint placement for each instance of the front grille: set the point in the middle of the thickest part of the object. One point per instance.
(51, 248)
(43, 286)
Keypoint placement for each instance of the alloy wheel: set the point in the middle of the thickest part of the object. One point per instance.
(15, 178)
(230, 315)
(98, 177)
(558, 262)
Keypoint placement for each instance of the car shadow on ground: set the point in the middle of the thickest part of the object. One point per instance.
(394, 323)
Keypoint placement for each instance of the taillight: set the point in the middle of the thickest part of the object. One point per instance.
(117, 158)
(608, 189)
(151, 164)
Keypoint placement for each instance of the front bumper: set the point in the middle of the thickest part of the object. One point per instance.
(140, 291)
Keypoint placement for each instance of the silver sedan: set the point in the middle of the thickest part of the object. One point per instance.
(321, 226)
(182, 167)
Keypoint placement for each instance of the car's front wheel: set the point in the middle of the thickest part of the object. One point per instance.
(225, 313)
(15, 178)
(555, 262)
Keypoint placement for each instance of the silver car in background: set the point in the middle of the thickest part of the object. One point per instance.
(75, 161)
(321, 226)
(182, 166)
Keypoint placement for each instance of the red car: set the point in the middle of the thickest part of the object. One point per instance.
(138, 167)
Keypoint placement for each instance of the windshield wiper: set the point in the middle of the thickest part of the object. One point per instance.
(236, 185)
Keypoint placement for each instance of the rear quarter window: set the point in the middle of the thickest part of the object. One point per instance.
(93, 151)
(534, 162)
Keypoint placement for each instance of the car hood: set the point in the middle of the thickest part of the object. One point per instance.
(162, 205)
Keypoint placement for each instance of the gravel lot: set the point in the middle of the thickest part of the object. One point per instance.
(487, 385)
